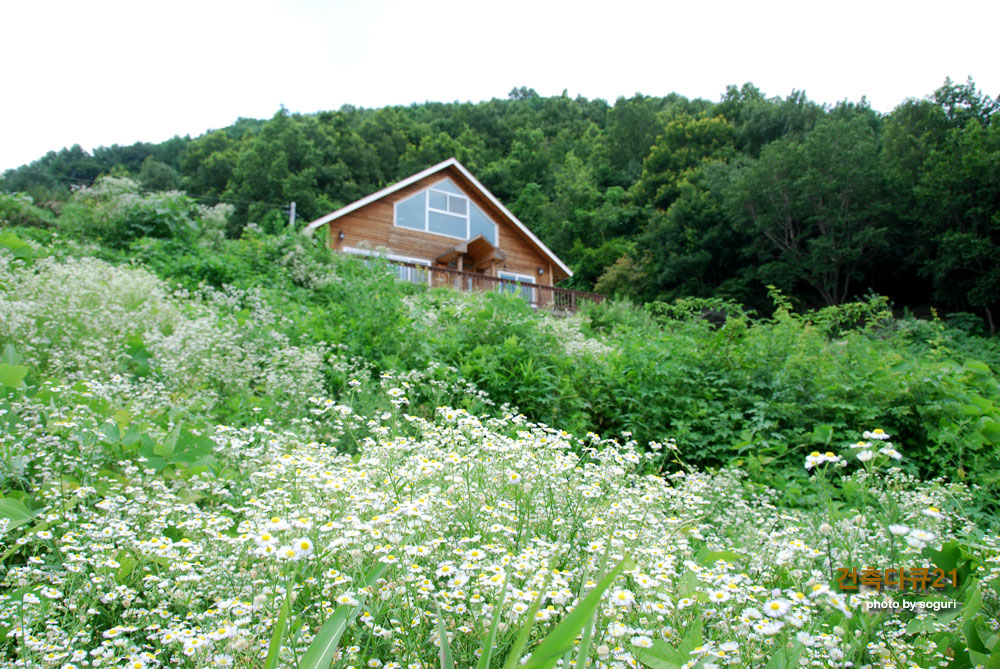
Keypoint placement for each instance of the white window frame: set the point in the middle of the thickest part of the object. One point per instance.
(525, 278)
(447, 203)
(467, 217)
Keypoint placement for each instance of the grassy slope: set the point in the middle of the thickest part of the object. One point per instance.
(212, 401)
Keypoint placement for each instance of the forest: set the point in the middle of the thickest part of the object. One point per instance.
(649, 198)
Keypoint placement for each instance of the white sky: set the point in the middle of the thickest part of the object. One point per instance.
(101, 72)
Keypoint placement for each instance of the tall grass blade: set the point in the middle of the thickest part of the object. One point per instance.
(522, 635)
(561, 638)
(444, 647)
(274, 648)
(324, 644)
(487, 654)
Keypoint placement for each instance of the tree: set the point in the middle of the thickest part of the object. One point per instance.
(959, 197)
(632, 126)
(208, 162)
(684, 145)
(759, 120)
(815, 206)
(963, 103)
(154, 175)
(285, 162)
(697, 248)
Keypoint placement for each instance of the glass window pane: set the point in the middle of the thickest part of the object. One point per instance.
(445, 224)
(437, 200)
(411, 274)
(410, 212)
(480, 224)
(457, 204)
(513, 288)
(527, 292)
(448, 186)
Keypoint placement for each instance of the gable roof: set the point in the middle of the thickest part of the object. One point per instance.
(453, 163)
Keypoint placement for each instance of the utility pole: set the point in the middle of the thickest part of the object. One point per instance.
(291, 217)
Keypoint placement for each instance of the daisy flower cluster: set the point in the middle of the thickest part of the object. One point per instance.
(128, 565)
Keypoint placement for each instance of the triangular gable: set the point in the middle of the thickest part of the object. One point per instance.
(451, 162)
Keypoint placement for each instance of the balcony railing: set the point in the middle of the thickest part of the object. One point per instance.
(559, 299)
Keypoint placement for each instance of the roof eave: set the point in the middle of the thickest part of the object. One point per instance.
(451, 162)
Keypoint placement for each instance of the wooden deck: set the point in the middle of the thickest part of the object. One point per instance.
(537, 295)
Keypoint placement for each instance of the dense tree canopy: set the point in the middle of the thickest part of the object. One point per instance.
(814, 208)
(650, 197)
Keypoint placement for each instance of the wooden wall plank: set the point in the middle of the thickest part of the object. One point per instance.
(372, 226)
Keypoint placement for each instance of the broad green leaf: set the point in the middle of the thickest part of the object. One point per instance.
(15, 511)
(69, 483)
(978, 367)
(170, 443)
(190, 496)
(689, 584)
(783, 658)
(17, 246)
(918, 626)
(991, 430)
(122, 418)
(692, 639)
(947, 558)
(127, 565)
(973, 603)
(12, 376)
(822, 434)
(972, 637)
(707, 558)
(979, 659)
(11, 356)
(661, 656)
(131, 437)
(111, 433)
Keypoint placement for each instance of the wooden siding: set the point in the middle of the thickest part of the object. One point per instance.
(372, 226)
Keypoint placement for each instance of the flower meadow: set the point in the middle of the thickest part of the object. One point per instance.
(373, 527)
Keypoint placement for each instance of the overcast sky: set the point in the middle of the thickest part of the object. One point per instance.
(98, 73)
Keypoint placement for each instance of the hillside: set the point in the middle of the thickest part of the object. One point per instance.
(251, 452)
(649, 198)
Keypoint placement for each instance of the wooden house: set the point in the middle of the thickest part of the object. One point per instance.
(442, 227)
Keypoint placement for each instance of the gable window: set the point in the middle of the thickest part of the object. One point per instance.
(443, 209)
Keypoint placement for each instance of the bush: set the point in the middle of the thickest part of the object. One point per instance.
(19, 209)
(116, 212)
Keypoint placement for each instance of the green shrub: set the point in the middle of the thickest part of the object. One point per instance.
(116, 212)
(19, 209)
